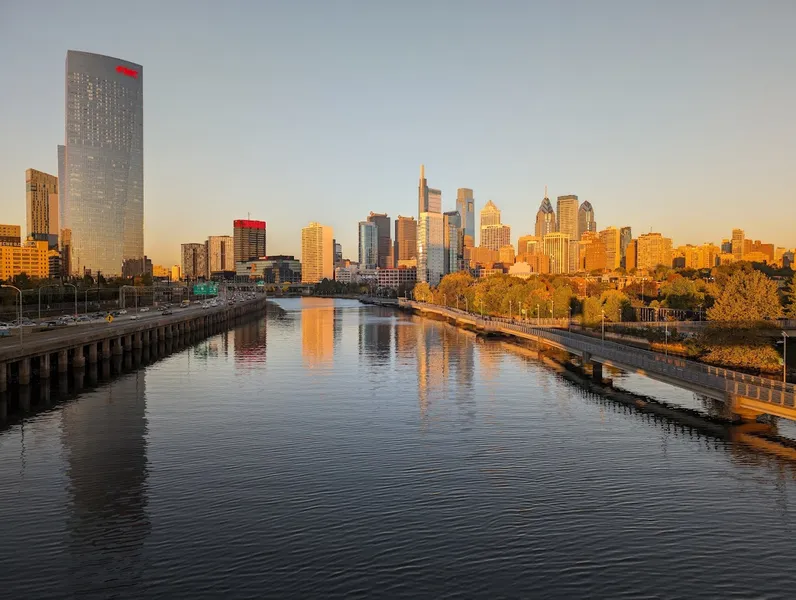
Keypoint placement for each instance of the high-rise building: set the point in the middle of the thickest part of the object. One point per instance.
(430, 248)
(556, 247)
(490, 215)
(465, 204)
(65, 241)
(545, 218)
(429, 199)
(631, 255)
(176, 274)
(766, 249)
(506, 255)
(41, 202)
(338, 254)
(591, 253)
(10, 235)
(454, 241)
(738, 241)
(625, 235)
(220, 254)
(586, 220)
(368, 255)
(317, 253)
(574, 256)
(726, 246)
(382, 222)
(249, 239)
(194, 261)
(653, 250)
(405, 241)
(61, 182)
(610, 237)
(104, 162)
(567, 212)
(495, 237)
(527, 244)
(30, 258)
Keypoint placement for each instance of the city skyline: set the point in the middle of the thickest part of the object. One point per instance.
(606, 146)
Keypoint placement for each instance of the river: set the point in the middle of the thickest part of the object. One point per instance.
(336, 450)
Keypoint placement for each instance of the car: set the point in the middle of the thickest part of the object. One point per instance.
(197, 301)
(134, 317)
(123, 312)
(83, 319)
(145, 309)
(168, 311)
(205, 306)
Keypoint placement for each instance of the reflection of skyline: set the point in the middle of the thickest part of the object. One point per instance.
(317, 331)
(105, 441)
(249, 343)
(375, 338)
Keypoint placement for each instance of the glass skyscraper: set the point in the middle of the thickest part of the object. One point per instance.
(465, 204)
(103, 202)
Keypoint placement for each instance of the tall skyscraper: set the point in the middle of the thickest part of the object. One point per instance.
(104, 162)
(430, 248)
(429, 199)
(454, 241)
(528, 244)
(631, 255)
(610, 237)
(495, 237)
(368, 254)
(220, 254)
(738, 241)
(338, 254)
(465, 204)
(625, 235)
(249, 239)
(490, 215)
(382, 222)
(405, 241)
(61, 183)
(317, 253)
(567, 211)
(194, 261)
(41, 202)
(556, 247)
(545, 218)
(586, 220)
(653, 250)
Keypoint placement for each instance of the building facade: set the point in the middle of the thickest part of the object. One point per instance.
(527, 244)
(31, 258)
(103, 162)
(384, 238)
(193, 261)
(275, 269)
(545, 219)
(405, 239)
(556, 248)
(610, 237)
(454, 241)
(368, 255)
(249, 239)
(653, 250)
(10, 235)
(737, 244)
(586, 220)
(465, 204)
(41, 204)
(220, 254)
(430, 248)
(317, 253)
(495, 236)
(428, 199)
(567, 213)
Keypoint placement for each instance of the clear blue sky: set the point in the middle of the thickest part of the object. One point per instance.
(680, 116)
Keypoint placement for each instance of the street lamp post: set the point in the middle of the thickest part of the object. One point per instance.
(603, 324)
(509, 310)
(466, 305)
(569, 319)
(19, 291)
(482, 308)
(40, 289)
(785, 337)
(73, 286)
(538, 315)
(666, 335)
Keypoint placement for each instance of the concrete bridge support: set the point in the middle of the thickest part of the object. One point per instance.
(44, 366)
(63, 361)
(106, 349)
(23, 374)
(92, 354)
(117, 349)
(78, 359)
(3, 377)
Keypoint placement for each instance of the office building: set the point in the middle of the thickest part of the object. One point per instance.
(317, 253)
(481, 256)
(382, 222)
(277, 269)
(495, 236)
(586, 220)
(368, 255)
(465, 204)
(430, 248)
(41, 203)
(766, 249)
(396, 278)
(405, 241)
(176, 273)
(625, 235)
(556, 247)
(574, 256)
(726, 246)
(161, 272)
(592, 254)
(506, 255)
(738, 242)
(61, 183)
(527, 244)
(194, 261)
(31, 258)
(103, 162)
(338, 254)
(631, 255)
(10, 235)
(248, 239)
(545, 218)
(490, 215)
(220, 254)
(137, 267)
(653, 250)
(429, 199)
(454, 241)
(610, 237)
(567, 214)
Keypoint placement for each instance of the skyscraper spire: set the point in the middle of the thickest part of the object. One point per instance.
(545, 191)
(422, 172)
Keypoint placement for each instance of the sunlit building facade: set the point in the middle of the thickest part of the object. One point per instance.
(317, 253)
(654, 250)
(32, 258)
(430, 248)
(610, 237)
(556, 248)
(405, 240)
(249, 237)
(368, 255)
(545, 219)
(567, 213)
(104, 162)
(586, 220)
(41, 204)
(465, 204)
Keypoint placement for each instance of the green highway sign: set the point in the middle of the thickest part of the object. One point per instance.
(205, 289)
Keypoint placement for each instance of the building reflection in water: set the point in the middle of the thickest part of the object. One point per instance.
(249, 344)
(375, 336)
(104, 437)
(317, 331)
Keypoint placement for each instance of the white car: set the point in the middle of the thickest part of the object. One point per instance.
(145, 309)
(123, 312)
(134, 317)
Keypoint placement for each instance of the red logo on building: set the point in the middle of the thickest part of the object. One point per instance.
(126, 71)
(248, 224)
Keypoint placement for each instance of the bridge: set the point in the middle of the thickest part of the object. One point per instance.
(748, 396)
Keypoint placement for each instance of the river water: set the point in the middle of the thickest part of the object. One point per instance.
(336, 450)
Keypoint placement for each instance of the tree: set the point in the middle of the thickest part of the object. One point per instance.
(747, 296)
(22, 281)
(423, 292)
(592, 311)
(562, 301)
(681, 293)
(616, 306)
(790, 297)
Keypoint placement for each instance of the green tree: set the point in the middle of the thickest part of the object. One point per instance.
(22, 281)
(562, 301)
(790, 297)
(616, 306)
(423, 292)
(592, 311)
(682, 293)
(747, 296)
(457, 287)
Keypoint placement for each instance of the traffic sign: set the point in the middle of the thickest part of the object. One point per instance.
(109, 318)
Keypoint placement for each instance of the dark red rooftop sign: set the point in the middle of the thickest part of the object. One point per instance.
(126, 71)
(248, 224)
